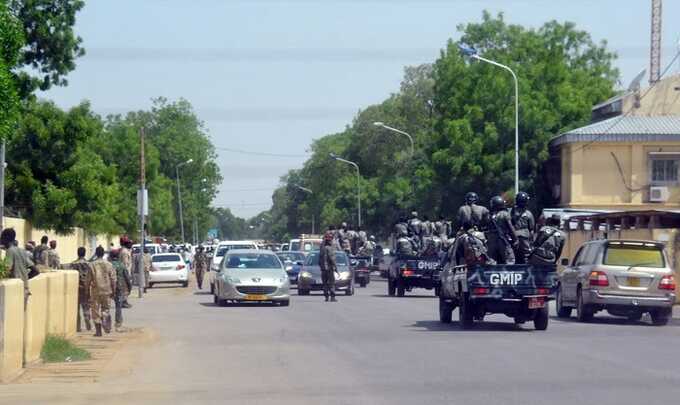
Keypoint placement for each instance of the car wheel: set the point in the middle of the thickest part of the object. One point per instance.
(350, 289)
(401, 289)
(583, 313)
(150, 285)
(212, 288)
(362, 283)
(562, 311)
(391, 288)
(284, 303)
(542, 318)
(302, 291)
(445, 311)
(185, 284)
(217, 301)
(660, 317)
(634, 317)
(465, 312)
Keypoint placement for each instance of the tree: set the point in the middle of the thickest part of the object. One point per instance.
(52, 46)
(11, 41)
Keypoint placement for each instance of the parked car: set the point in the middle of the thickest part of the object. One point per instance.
(310, 275)
(292, 262)
(168, 268)
(624, 277)
(251, 275)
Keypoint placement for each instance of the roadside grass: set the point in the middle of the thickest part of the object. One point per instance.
(56, 349)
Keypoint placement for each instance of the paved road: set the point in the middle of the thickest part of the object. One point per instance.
(373, 349)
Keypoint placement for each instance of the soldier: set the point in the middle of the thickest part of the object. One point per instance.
(442, 228)
(18, 263)
(328, 267)
(549, 243)
(501, 234)
(146, 259)
(472, 215)
(39, 256)
(361, 234)
(415, 225)
(125, 255)
(524, 223)
(53, 259)
(101, 280)
(83, 267)
(353, 239)
(200, 265)
(123, 286)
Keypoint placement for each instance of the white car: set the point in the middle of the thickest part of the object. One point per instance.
(226, 246)
(168, 268)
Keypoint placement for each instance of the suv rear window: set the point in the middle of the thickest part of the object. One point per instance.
(166, 258)
(634, 256)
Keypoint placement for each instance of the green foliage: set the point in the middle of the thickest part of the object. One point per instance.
(4, 268)
(52, 44)
(230, 227)
(11, 41)
(57, 349)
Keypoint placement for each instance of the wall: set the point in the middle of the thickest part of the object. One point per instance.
(11, 328)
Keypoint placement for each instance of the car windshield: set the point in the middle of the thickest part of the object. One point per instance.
(311, 245)
(313, 259)
(635, 256)
(166, 258)
(252, 261)
(291, 257)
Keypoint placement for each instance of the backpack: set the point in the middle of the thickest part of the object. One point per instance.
(474, 249)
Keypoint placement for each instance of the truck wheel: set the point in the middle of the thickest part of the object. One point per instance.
(362, 283)
(436, 291)
(541, 319)
(445, 311)
(583, 313)
(401, 289)
(562, 311)
(302, 291)
(465, 312)
(660, 317)
(391, 289)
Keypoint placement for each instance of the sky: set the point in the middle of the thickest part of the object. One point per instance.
(271, 76)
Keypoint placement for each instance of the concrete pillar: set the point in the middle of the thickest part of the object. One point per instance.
(11, 328)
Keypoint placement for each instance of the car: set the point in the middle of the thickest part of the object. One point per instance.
(168, 268)
(251, 275)
(309, 278)
(305, 243)
(626, 278)
(292, 262)
(226, 246)
(152, 248)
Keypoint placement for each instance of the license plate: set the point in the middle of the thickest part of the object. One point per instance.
(633, 281)
(254, 297)
(535, 303)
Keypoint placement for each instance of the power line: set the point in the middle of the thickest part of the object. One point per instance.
(247, 152)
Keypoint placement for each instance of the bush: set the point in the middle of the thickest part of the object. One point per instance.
(56, 349)
(4, 268)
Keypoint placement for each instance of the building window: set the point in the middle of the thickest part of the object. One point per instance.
(665, 171)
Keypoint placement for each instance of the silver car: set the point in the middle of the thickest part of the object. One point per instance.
(250, 275)
(624, 277)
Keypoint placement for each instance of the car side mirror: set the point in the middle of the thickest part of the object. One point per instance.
(564, 261)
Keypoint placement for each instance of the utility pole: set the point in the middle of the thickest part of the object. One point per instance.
(2, 185)
(655, 49)
(142, 205)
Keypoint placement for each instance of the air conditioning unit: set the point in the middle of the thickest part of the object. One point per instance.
(658, 194)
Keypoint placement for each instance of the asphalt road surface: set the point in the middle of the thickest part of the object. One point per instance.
(373, 349)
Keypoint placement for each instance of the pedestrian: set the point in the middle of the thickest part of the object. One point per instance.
(501, 236)
(200, 265)
(328, 267)
(549, 243)
(101, 281)
(146, 259)
(53, 259)
(39, 253)
(471, 215)
(83, 267)
(122, 288)
(126, 259)
(18, 262)
(524, 223)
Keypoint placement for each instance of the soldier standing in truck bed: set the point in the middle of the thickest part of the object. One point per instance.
(524, 223)
(501, 236)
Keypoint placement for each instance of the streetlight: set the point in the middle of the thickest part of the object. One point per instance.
(410, 138)
(310, 192)
(179, 197)
(472, 53)
(356, 166)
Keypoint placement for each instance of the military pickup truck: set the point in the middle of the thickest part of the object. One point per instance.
(521, 292)
(406, 273)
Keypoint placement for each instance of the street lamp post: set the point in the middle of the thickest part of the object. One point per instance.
(179, 197)
(356, 166)
(472, 53)
(310, 192)
(410, 138)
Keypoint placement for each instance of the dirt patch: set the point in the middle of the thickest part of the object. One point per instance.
(112, 354)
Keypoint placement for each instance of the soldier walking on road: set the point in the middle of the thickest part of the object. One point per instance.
(524, 223)
(501, 234)
(328, 267)
(101, 281)
(123, 286)
(200, 265)
(146, 259)
(126, 259)
(549, 243)
(83, 267)
(53, 259)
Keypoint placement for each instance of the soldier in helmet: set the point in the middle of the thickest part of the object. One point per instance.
(328, 266)
(442, 228)
(501, 236)
(524, 223)
(472, 215)
(549, 243)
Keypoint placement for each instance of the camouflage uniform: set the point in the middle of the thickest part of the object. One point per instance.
(83, 267)
(147, 269)
(524, 223)
(501, 238)
(40, 255)
(18, 264)
(122, 289)
(101, 280)
(473, 216)
(200, 267)
(53, 259)
(328, 268)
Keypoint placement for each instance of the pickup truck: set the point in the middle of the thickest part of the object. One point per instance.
(521, 292)
(408, 272)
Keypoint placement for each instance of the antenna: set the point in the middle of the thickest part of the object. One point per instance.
(635, 83)
(655, 49)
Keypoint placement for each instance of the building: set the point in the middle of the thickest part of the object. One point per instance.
(662, 99)
(622, 163)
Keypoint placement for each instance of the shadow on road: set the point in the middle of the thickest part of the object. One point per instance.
(202, 293)
(614, 321)
(242, 305)
(436, 326)
(165, 287)
(405, 296)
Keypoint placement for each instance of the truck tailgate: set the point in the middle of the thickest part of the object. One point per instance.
(515, 280)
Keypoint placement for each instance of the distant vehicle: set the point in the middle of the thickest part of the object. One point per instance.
(285, 247)
(406, 273)
(168, 268)
(310, 275)
(220, 251)
(292, 262)
(362, 270)
(153, 248)
(624, 277)
(251, 275)
(305, 243)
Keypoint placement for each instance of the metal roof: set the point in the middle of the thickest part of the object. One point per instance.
(624, 129)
